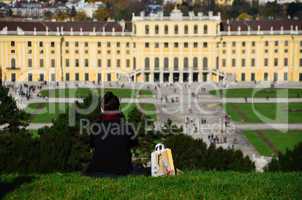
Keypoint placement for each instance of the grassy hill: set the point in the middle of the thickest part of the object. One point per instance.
(191, 185)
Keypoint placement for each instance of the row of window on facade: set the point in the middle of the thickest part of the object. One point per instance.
(253, 43)
(253, 62)
(77, 63)
(77, 44)
(176, 63)
(176, 45)
(243, 77)
(176, 29)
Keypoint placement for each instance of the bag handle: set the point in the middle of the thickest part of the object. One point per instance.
(159, 147)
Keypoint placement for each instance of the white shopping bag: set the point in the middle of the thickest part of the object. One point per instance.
(162, 161)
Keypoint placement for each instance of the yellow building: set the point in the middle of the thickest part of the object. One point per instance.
(157, 48)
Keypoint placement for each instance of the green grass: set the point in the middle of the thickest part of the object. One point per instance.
(84, 92)
(50, 111)
(258, 143)
(281, 141)
(258, 93)
(269, 112)
(191, 185)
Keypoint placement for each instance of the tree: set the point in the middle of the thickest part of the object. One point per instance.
(10, 116)
(81, 16)
(294, 9)
(73, 12)
(102, 14)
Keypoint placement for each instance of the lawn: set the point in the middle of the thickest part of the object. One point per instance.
(265, 112)
(191, 185)
(84, 92)
(280, 140)
(258, 93)
(50, 111)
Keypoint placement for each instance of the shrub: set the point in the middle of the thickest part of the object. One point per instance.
(191, 154)
(288, 161)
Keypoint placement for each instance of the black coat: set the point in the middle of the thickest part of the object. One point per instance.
(112, 141)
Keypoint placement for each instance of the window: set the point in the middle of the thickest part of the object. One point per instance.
(242, 76)
(66, 44)
(275, 76)
(205, 29)
(52, 44)
(99, 44)
(243, 62)
(166, 29)
(41, 77)
(30, 62)
(285, 62)
(195, 29)
(41, 63)
(176, 44)
(186, 45)
(99, 77)
(300, 62)
(205, 45)
(186, 29)
(53, 63)
(233, 62)
(265, 76)
(86, 77)
(147, 63)
(86, 44)
(285, 76)
(156, 63)
(77, 63)
(252, 76)
(166, 45)
(99, 63)
(29, 44)
(156, 29)
(13, 77)
(276, 62)
(176, 64)
(147, 44)
(67, 62)
(300, 77)
(195, 63)
(118, 63)
(224, 62)
(156, 45)
(276, 43)
(134, 63)
(108, 63)
(128, 63)
(13, 63)
(253, 43)
(265, 62)
(118, 44)
(243, 44)
(266, 43)
(176, 29)
(234, 44)
(41, 44)
(30, 77)
(86, 62)
(77, 76)
(67, 77)
(166, 63)
(76, 44)
(253, 62)
(205, 63)
(195, 44)
(186, 63)
(147, 30)
(286, 43)
(108, 77)
(12, 43)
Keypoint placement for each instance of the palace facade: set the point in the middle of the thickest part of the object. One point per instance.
(157, 48)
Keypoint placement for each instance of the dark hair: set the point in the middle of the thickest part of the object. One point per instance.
(110, 102)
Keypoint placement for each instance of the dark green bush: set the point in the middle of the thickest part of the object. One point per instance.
(191, 154)
(288, 161)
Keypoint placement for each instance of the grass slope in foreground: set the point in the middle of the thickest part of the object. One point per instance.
(191, 185)
(280, 140)
(265, 112)
(46, 112)
(259, 93)
(84, 92)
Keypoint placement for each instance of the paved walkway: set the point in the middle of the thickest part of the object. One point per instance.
(268, 126)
